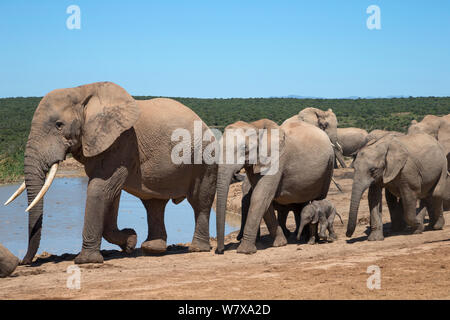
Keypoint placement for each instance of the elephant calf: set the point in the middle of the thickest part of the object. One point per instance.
(8, 262)
(322, 213)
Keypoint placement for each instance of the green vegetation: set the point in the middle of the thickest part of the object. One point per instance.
(388, 114)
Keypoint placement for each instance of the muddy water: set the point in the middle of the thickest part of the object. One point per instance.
(64, 214)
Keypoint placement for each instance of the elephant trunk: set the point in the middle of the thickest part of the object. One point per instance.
(357, 191)
(224, 176)
(340, 157)
(34, 171)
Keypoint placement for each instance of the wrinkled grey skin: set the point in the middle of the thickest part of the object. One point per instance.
(304, 173)
(124, 144)
(319, 215)
(409, 167)
(325, 120)
(351, 140)
(8, 262)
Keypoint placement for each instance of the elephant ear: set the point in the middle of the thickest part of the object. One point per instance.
(322, 119)
(396, 157)
(108, 111)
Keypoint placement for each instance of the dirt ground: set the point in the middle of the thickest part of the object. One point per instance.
(411, 267)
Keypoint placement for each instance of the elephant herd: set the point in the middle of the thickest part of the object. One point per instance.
(128, 144)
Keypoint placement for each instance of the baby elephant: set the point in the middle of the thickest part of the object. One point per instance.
(320, 212)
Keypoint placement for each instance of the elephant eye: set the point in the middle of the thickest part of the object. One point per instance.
(59, 125)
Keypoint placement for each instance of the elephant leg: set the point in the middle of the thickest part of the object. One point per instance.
(245, 205)
(157, 236)
(261, 199)
(201, 200)
(409, 201)
(312, 233)
(435, 212)
(332, 236)
(126, 238)
(395, 210)
(282, 217)
(376, 222)
(275, 230)
(98, 204)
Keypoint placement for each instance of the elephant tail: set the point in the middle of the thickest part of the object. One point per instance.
(340, 218)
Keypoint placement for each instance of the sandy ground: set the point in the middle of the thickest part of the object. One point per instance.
(411, 266)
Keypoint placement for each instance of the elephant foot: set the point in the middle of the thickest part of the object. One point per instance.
(199, 246)
(26, 261)
(91, 256)
(376, 236)
(129, 246)
(418, 229)
(157, 246)
(312, 240)
(332, 237)
(438, 225)
(280, 240)
(246, 247)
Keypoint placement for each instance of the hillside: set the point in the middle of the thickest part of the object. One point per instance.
(389, 114)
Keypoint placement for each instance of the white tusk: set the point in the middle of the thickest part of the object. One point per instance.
(16, 194)
(47, 183)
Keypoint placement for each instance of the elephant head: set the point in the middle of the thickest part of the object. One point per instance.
(327, 121)
(84, 121)
(379, 162)
(245, 145)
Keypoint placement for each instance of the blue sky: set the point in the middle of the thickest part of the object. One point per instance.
(228, 48)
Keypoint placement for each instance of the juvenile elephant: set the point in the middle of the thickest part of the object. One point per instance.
(351, 140)
(303, 172)
(8, 262)
(318, 213)
(409, 167)
(124, 144)
(325, 120)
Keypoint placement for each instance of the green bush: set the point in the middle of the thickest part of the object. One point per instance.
(388, 114)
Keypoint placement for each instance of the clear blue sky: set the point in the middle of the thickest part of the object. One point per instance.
(228, 48)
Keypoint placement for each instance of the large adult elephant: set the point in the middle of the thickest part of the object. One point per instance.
(351, 140)
(304, 171)
(124, 144)
(437, 127)
(409, 167)
(8, 262)
(325, 120)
